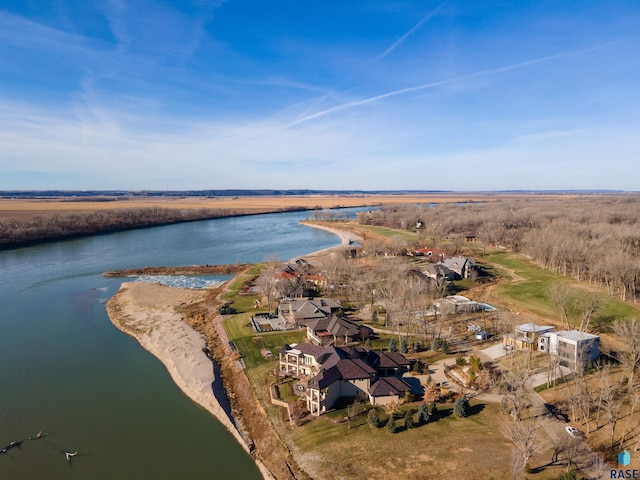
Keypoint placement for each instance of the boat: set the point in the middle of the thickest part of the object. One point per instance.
(17, 443)
(68, 455)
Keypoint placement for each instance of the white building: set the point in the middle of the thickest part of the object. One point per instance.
(571, 347)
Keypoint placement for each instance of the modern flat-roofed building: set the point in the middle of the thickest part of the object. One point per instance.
(572, 347)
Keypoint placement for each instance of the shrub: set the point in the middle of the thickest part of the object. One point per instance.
(374, 316)
(476, 363)
(461, 361)
(227, 309)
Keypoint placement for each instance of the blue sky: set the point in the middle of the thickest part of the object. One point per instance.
(428, 95)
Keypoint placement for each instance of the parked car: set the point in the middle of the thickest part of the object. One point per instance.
(574, 432)
(560, 417)
(483, 335)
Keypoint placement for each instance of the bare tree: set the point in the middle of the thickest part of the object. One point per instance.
(513, 386)
(588, 304)
(629, 332)
(560, 294)
(268, 282)
(600, 468)
(635, 402)
(525, 438)
(611, 402)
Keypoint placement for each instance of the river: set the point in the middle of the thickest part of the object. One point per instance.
(66, 371)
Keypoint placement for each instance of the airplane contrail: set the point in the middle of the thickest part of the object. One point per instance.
(491, 71)
(413, 29)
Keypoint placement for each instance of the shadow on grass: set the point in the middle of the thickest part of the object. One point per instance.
(476, 409)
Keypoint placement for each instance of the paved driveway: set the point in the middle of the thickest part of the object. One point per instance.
(494, 352)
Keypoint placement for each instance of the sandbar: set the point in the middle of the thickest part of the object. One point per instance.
(147, 312)
(345, 239)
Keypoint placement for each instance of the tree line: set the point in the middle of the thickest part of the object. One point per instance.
(19, 232)
(592, 238)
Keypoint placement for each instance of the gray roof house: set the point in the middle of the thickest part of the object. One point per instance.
(461, 266)
(335, 330)
(297, 313)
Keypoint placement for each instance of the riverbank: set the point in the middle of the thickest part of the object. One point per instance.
(29, 221)
(150, 313)
(346, 238)
(158, 317)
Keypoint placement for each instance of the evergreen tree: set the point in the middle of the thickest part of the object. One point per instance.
(391, 424)
(432, 409)
(461, 407)
(417, 366)
(408, 419)
(374, 316)
(423, 414)
(373, 418)
(392, 344)
(403, 345)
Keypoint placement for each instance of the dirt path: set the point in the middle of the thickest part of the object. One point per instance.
(511, 272)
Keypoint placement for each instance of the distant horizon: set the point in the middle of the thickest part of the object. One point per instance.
(279, 192)
(465, 96)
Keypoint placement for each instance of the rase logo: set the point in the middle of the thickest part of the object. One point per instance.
(624, 459)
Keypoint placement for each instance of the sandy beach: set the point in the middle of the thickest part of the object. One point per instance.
(150, 313)
(345, 238)
(147, 312)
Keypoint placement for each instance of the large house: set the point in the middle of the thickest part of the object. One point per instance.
(571, 347)
(455, 304)
(335, 373)
(336, 331)
(525, 336)
(461, 266)
(299, 312)
(449, 269)
(302, 275)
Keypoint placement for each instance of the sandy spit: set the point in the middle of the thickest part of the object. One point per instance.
(146, 311)
(345, 238)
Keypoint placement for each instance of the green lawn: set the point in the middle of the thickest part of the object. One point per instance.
(533, 293)
(357, 450)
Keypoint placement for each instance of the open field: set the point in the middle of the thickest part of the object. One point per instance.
(24, 208)
(528, 290)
